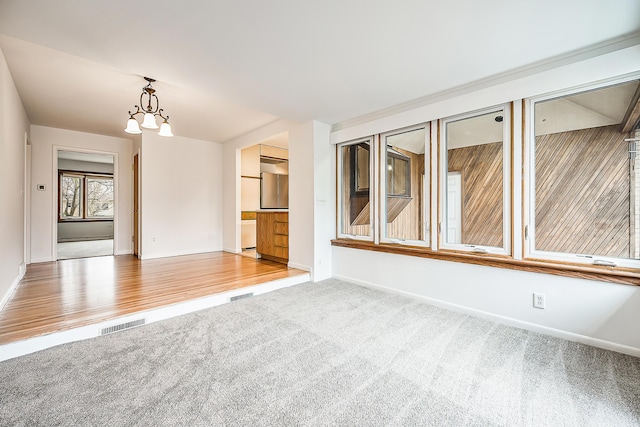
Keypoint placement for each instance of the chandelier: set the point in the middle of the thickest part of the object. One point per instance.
(150, 112)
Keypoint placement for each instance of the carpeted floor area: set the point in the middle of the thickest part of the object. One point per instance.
(329, 353)
(85, 249)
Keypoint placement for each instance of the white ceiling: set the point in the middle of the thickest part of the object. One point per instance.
(227, 67)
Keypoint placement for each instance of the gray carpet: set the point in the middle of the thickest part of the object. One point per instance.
(85, 249)
(328, 353)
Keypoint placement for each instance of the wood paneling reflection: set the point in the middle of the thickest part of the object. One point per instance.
(582, 192)
(407, 224)
(482, 192)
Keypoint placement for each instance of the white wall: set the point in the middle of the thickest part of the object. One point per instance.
(45, 141)
(597, 313)
(311, 198)
(85, 230)
(82, 166)
(301, 182)
(14, 124)
(589, 311)
(181, 196)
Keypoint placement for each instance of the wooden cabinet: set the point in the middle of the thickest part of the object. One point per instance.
(250, 161)
(273, 236)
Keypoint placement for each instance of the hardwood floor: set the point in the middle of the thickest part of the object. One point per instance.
(57, 296)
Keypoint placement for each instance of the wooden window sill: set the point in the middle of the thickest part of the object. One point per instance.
(601, 273)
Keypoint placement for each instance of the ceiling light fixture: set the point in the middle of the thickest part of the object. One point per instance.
(150, 113)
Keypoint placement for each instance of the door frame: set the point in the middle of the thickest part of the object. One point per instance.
(55, 194)
(137, 223)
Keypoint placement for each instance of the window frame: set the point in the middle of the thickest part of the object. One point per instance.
(517, 208)
(529, 179)
(507, 191)
(84, 176)
(426, 192)
(372, 141)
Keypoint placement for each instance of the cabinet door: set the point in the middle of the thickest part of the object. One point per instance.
(264, 244)
(250, 161)
(281, 252)
(250, 194)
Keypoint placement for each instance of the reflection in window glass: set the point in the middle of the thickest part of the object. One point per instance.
(586, 185)
(475, 187)
(405, 185)
(355, 178)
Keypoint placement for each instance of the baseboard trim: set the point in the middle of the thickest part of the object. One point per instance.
(509, 321)
(37, 261)
(302, 267)
(179, 253)
(31, 345)
(231, 250)
(22, 269)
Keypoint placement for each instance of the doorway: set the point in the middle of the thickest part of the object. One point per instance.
(85, 204)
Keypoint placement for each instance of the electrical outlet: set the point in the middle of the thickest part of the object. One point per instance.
(538, 300)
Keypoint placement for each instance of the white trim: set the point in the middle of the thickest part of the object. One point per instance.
(434, 190)
(20, 348)
(22, 269)
(374, 184)
(516, 204)
(26, 202)
(179, 253)
(39, 260)
(558, 333)
(302, 267)
(55, 201)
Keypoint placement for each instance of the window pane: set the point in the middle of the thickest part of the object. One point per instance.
(355, 182)
(71, 197)
(584, 180)
(405, 188)
(475, 181)
(99, 197)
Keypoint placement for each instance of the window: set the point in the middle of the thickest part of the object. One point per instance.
(71, 196)
(406, 186)
(85, 196)
(398, 173)
(475, 180)
(584, 203)
(356, 208)
(570, 208)
(99, 197)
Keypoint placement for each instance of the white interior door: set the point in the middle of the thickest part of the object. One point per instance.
(454, 207)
